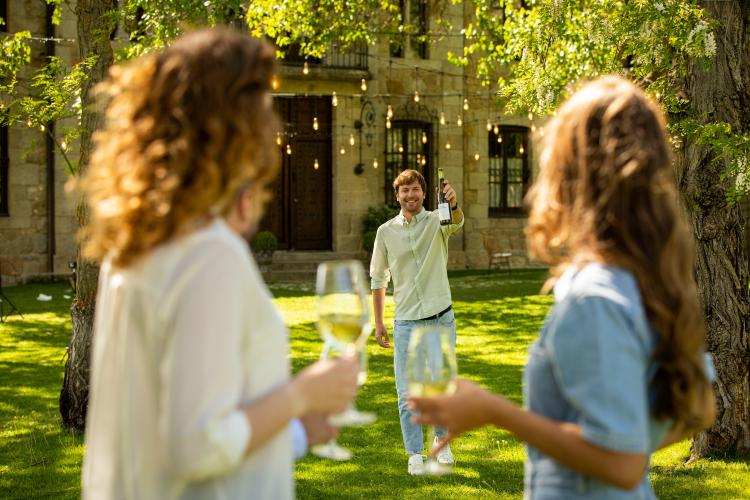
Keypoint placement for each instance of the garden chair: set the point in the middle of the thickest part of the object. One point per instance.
(496, 256)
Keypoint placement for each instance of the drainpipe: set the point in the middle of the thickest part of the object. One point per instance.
(49, 33)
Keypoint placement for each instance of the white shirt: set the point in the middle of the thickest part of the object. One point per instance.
(182, 340)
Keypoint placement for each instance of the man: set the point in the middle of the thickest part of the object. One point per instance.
(412, 248)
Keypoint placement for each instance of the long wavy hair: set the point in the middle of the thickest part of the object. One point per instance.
(185, 131)
(606, 192)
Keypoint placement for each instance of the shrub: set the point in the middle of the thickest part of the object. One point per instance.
(373, 219)
(265, 241)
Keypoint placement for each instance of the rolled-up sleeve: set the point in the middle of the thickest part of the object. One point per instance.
(601, 366)
(380, 273)
(205, 430)
(450, 229)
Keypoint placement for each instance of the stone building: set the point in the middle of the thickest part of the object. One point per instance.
(352, 121)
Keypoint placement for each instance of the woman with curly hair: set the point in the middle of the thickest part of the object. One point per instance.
(618, 370)
(191, 395)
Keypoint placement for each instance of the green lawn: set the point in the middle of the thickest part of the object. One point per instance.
(497, 318)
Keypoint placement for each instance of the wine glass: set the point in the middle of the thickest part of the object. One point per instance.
(431, 371)
(344, 324)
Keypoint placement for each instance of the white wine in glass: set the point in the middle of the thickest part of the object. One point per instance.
(431, 371)
(344, 324)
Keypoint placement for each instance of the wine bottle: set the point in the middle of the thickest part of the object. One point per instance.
(444, 209)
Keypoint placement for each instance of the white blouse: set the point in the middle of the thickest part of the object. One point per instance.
(182, 340)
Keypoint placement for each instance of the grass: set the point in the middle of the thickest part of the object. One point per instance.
(497, 317)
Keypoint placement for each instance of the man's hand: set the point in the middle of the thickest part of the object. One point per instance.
(318, 429)
(381, 336)
(450, 194)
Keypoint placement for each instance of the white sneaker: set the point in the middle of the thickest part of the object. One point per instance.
(444, 456)
(416, 464)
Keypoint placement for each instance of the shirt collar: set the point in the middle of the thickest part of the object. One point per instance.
(416, 218)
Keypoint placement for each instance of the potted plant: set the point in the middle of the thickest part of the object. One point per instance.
(264, 245)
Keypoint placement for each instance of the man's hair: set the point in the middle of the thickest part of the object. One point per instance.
(409, 176)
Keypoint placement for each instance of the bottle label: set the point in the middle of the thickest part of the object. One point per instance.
(444, 210)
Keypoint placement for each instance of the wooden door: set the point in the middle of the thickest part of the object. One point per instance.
(300, 214)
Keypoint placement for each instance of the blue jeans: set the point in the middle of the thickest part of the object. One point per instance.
(411, 432)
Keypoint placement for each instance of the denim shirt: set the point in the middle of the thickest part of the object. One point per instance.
(591, 366)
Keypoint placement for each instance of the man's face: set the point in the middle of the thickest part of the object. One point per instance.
(410, 197)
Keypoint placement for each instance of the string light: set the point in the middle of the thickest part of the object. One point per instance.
(447, 144)
(316, 165)
(315, 123)
(351, 139)
(459, 121)
(416, 96)
(334, 99)
(375, 163)
(658, 96)
(363, 85)
(466, 104)
(424, 137)
(496, 130)
(489, 125)
(389, 113)
(278, 139)
(388, 123)
(289, 149)
(499, 138)
(305, 68)
(274, 82)
(476, 156)
(541, 131)
(442, 118)
(42, 128)
(342, 151)
(531, 116)
(64, 146)
(424, 161)
(400, 148)
(533, 129)
(521, 150)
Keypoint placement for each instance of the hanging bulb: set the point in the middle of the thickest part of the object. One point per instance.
(476, 156)
(499, 138)
(389, 113)
(363, 85)
(387, 123)
(375, 163)
(416, 96)
(442, 118)
(521, 150)
(274, 82)
(315, 123)
(496, 130)
(533, 129)
(466, 104)
(459, 121)
(658, 96)
(541, 131)
(316, 165)
(64, 146)
(334, 99)
(489, 125)
(447, 145)
(531, 116)
(342, 151)
(305, 68)
(351, 139)
(424, 137)
(289, 149)
(278, 139)
(400, 148)
(424, 161)
(41, 128)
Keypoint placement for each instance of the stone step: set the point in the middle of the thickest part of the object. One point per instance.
(289, 276)
(318, 256)
(301, 267)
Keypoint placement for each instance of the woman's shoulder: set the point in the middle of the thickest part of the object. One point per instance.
(598, 281)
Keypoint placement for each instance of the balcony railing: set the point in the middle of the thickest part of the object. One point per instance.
(354, 57)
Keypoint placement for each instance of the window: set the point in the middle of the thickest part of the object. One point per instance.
(407, 145)
(509, 170)
(417, 18)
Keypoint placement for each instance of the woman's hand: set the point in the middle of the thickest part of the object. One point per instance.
(317, 428)
(457, 413)
(326, 387)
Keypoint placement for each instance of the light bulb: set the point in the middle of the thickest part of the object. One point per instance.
(531, 116)
(541, 131)
(424, 138)
(351, 139)
(387, 123)
(389, 113)
(278, 139)
(342, 151)
(521, 150)
(64, 146)
(400, 148)
(305, 68)
(334, 99)
(459, 121)
(375, 163)
(416, 96)
(447, 145)
(496, 130)
(533, 129)
(316, 165)
(466, 104)
(274, 82)
(489, 125)
(41, 128)
(499, 138)
(442, 118)
(315, 123)
(424, 160)
(658, 95)
(288, 149)
(476, 156)
(363, 85)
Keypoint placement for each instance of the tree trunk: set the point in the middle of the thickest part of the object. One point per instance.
(721, 93)
(95, 23)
